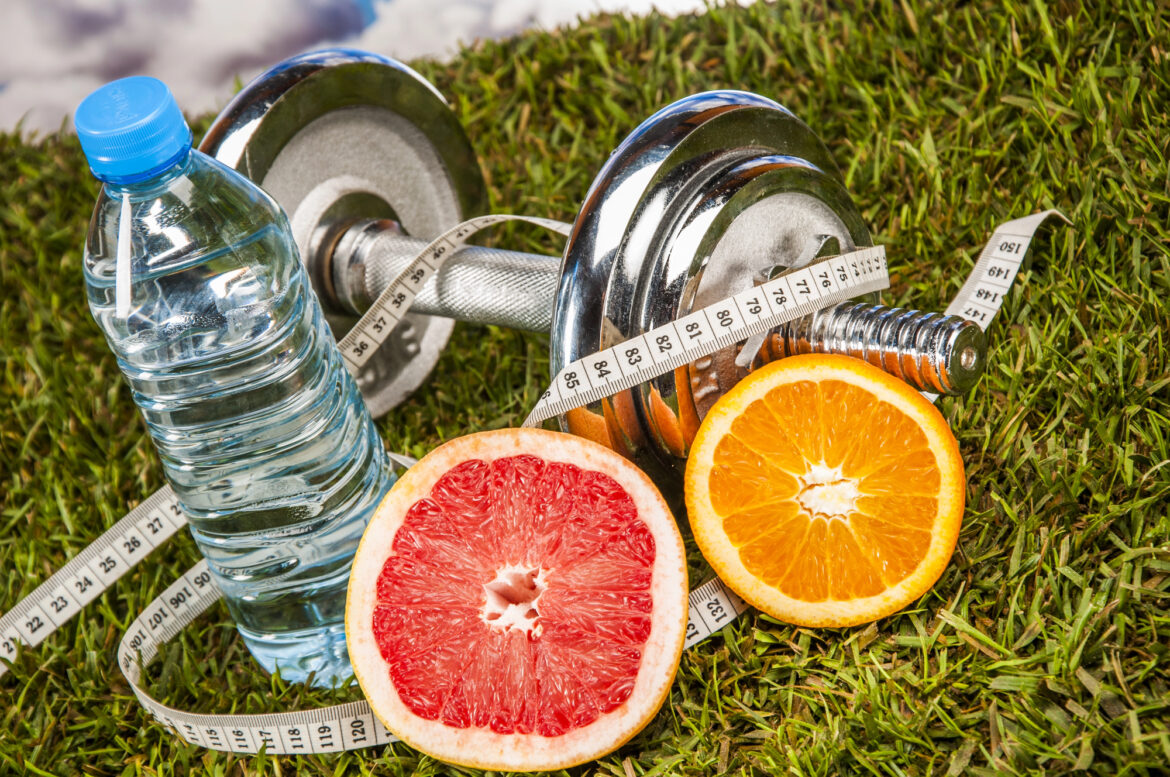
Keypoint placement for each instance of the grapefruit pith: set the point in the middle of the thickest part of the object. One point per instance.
(518, 602)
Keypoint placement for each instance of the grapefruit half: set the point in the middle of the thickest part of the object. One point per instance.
(518, 602)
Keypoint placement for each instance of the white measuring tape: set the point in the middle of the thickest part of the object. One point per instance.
(986, 288)
(701, 333)
(350, 726)
(327, 729)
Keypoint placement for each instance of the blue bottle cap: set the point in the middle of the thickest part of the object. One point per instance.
(131, 129)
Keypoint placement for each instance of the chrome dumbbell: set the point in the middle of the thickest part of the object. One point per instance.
(709, 196)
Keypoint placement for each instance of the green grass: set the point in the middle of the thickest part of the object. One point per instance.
(1042, 649)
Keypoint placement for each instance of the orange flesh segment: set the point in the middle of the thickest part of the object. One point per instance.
(809, 446)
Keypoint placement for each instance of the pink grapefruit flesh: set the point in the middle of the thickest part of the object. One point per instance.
(518, 602)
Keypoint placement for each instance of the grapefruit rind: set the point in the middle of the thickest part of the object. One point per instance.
(724, 557)
(480, 747)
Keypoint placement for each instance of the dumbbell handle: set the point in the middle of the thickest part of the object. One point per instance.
(480, 285)
(931, 351)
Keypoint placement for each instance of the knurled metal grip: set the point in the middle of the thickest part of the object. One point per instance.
(711, 195)
(481, 285)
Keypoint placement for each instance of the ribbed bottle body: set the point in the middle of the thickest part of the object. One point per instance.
(261, 431)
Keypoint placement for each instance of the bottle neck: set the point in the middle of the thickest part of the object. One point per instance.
(151, 179)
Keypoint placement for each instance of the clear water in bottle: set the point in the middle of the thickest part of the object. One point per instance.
(193, 277)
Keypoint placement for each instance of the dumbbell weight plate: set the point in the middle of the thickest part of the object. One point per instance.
(341, 135)
(698, 202)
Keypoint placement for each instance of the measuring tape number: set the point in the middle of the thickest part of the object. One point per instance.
(711, 606)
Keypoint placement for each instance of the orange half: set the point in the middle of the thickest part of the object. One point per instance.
(825, 492)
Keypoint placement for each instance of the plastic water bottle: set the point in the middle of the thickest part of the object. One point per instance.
(194, 278)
